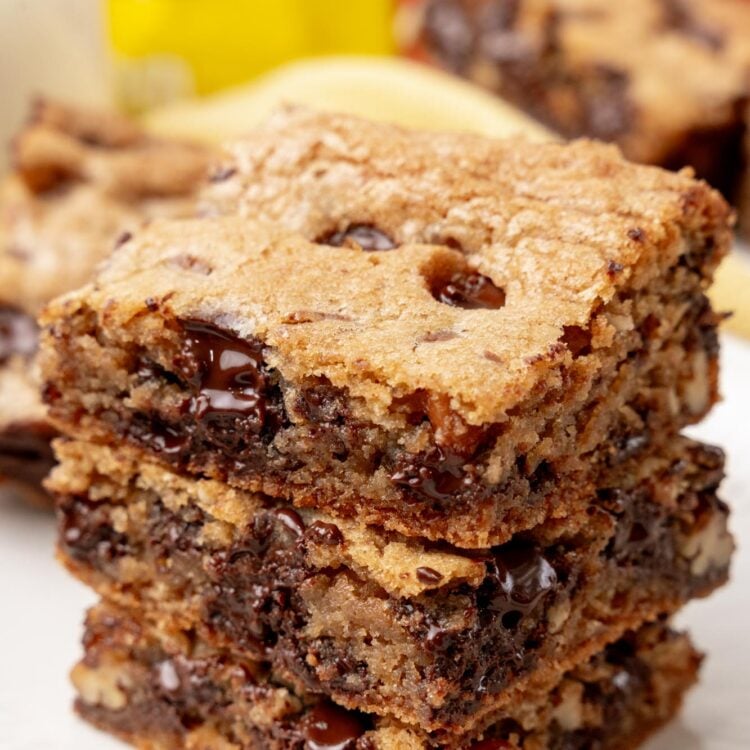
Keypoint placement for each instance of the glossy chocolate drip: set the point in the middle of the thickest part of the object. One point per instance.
(25, 452)
(328, 727)
(523, 578)
(18, 333)
(366, 236)
(233, 393)
(470, 291)
(231, 383)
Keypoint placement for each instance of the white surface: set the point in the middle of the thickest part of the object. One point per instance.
(41, 609)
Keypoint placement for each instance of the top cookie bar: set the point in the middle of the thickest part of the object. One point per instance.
(665, 79)
(455, 334)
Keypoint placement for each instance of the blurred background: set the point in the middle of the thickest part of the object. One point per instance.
(211, 69)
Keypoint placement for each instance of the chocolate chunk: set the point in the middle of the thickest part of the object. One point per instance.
(523, 577)
(87, 534)
(366, 236)
(328, 727)
(437, 474)
(26, 453)
(18, 333)
(491, 745)
(231, 384)
(325, 533)
(428, 576)
(470, 291)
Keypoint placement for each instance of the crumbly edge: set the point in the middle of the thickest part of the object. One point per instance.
(164, 690)
(376, 658)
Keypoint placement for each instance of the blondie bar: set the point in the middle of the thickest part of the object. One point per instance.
(462, 389)
(81, 181)
(163, 690)
(666, 80)
(425, 633)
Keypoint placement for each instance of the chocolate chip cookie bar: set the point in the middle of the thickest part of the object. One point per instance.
(455, 337)
(667, 80)
(425, 633)
(82, 179)
(161, 689)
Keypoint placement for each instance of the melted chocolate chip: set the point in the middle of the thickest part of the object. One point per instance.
(366, 236)
(325, 533)
(523, 578)
(291, 520)
(18, 333)
(491, 745)
(26, 453)
(437, 474)
(230, 379)
(470, 291)
(428, 576)
(328, 727)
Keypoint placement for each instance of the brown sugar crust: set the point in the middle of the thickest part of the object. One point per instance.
(449, 386)
(163, 689)
(664, 79)
(435, 636)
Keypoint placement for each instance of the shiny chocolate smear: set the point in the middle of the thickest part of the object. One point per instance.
(230, 381)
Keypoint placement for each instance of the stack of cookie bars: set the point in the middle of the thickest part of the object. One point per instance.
(383, 451)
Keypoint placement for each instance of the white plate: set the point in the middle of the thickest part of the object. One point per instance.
(41, 609)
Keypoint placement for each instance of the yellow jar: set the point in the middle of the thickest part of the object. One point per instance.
(165, 49)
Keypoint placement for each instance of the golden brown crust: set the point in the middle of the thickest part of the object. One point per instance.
(561, 229)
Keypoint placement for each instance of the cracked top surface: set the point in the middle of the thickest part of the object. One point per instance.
(477, 256)
(81, 179)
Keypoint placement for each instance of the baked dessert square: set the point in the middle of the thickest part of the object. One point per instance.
(428, 634)
(164, 689)
(667, 80)
(81, 181)
(452, 340)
